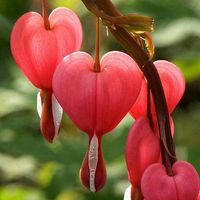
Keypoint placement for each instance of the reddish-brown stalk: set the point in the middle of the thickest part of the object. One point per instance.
(149, 115)
(45, 15)
(97, 67)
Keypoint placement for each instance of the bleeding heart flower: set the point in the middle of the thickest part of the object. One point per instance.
(142, 149)
(156, 184)
(37, 51)
(96, 101)
(173, 83)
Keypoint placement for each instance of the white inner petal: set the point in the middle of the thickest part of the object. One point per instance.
(127, 194)
(93, 160)
(57, 113)
(39, 104)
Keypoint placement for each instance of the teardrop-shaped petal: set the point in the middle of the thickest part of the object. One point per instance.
(184, 184)
(142, 149)
(173, 83)
(97, 102)
(37, 51)
(93, 170)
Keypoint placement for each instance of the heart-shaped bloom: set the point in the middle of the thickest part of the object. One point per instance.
(142, 149)
(156, 184)
(173, 83)
(96, 101)
(37, 51)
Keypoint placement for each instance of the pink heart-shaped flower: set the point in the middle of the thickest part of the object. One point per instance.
(142, 149)
(173, 83)
(156, 184)
(37, 51)
(96, 101)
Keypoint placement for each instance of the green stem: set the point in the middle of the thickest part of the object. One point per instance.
(45, 15)
(97, 67)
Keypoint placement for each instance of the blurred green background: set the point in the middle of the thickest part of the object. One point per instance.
(32, 169)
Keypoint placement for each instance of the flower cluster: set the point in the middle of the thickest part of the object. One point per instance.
(149, 178)
(97, 94)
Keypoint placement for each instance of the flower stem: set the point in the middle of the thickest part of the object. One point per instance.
(45, 15)
(97, 67)
(149, 115)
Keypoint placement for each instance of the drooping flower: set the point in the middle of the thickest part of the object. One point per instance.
(38, 50)
(142, 149)
(173, 83)
(156, 184)
(96, 101)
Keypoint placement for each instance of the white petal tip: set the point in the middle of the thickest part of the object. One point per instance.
(57, 112)
(39, 104)
(127, 194)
